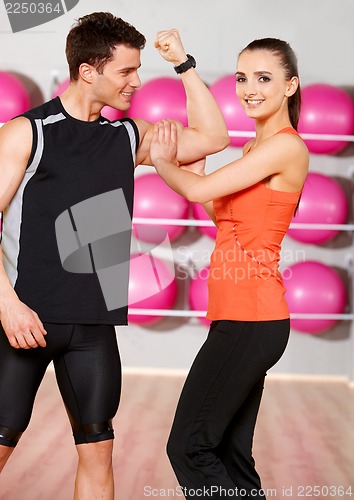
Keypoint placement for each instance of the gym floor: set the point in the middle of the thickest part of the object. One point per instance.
(303, 442)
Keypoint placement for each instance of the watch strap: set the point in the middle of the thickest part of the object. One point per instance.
(185, 66)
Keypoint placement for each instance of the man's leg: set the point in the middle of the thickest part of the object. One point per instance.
(94, 477)
(5, 452)
(21, 372)
(89, 378)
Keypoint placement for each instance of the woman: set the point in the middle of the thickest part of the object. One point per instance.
(254, 200)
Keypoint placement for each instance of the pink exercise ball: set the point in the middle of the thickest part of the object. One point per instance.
(61, 87)
(158, 99)
(199, 213)
(14, 98)
(152, 285)
(112, 114)
(314, 288)
(326, 109)
(323, 201)
(108, 112)
(198, 293)
(153, 198)
(224, 92)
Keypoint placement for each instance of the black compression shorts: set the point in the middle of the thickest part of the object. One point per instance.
(88, 371)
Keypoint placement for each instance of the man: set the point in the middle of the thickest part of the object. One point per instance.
(62, 169)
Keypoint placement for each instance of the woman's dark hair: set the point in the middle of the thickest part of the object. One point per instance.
(93, 40)
(288, 60)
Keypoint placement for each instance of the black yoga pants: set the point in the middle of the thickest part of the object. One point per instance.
(88, 372)
(210, 445)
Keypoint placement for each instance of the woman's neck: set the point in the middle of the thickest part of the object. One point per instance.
(267, 128)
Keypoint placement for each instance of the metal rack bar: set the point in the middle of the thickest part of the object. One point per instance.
(312, 137)
(209, 223)
(197, 314)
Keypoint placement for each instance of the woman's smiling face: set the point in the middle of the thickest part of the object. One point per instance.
(261, 85)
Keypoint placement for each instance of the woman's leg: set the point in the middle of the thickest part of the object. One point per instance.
(235, 448)
(224, 382)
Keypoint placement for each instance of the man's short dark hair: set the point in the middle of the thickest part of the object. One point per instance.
(93, 40)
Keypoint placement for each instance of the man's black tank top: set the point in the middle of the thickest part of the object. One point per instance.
(72, 161)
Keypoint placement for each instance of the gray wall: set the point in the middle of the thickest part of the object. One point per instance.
(320, 31)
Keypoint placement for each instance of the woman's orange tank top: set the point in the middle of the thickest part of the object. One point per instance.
(244, 281)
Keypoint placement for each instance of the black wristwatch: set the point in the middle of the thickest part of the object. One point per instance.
(185, 66)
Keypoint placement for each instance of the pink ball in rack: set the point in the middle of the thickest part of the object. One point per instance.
(153, 198)
(112, 114)
(14, 98)
(160, 98)
(224, 92)
(326, 109)
(199, 213)
(152, 285)
(314, 288)
(61, 87)
(323, 201)
(198, 293)
(108, 112)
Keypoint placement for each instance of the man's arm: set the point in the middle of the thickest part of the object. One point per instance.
(21, 325)
(206, 132)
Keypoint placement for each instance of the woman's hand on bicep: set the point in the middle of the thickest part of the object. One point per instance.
(191, 146)
(164, 143)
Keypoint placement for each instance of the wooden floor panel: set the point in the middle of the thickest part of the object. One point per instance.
(304, 438)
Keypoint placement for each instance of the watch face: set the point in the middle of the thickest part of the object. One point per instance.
(192, 60)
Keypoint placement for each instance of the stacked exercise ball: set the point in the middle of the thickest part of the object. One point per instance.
(326, 109)
(198, 293)
(323, 201)
(314, 288)
(152, 285)
(158, 99)
(153, 198)
(14, 98)
(199, 213)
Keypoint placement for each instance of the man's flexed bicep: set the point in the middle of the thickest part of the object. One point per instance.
(206, 133)
(192, 144)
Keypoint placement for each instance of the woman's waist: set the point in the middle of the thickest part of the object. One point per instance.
(245, 273)
(237, 254)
